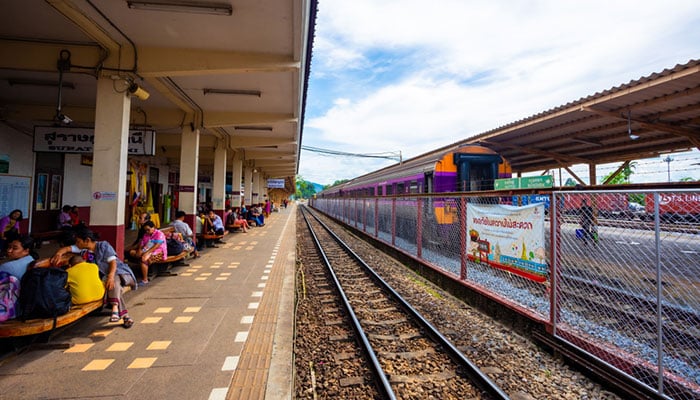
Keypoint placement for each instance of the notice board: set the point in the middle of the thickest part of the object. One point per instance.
(14, 194)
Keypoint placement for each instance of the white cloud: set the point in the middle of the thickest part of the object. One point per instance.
(411, 76)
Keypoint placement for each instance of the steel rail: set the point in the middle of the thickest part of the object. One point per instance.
(384, 386)
(480, 379)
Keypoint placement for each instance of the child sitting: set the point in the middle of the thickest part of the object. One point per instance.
(84, 281)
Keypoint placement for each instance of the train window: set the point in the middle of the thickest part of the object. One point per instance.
(413, 187)
(400, 188)
(428, 183)
(389, 189)
(371, 191)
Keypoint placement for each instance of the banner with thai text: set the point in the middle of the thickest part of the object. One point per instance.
(508, 237)
(275, 183)
(81, 140)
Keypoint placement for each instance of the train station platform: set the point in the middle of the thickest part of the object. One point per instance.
(222, 328)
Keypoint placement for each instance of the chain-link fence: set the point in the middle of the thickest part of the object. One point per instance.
(624, 267)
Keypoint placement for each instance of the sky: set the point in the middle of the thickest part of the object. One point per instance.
(410, 76)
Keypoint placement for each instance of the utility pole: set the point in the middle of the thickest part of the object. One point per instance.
(668, 160)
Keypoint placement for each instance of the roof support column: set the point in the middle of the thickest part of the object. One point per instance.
(248, 172)
(592, 179)
(109, 166)
(218, 191)
(236, 178)
(257, 196)
(189, 164)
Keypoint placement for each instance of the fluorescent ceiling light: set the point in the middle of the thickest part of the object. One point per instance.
(233, 91)
(191, 7)
(253, 128)
(37, 82)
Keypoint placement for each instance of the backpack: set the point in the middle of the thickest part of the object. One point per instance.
(175, 246)
(44, 294)
(9, 294)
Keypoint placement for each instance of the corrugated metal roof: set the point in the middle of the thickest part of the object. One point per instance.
(662, 109)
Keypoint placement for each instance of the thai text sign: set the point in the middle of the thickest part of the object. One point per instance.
(275, 183)
(81, 140)
(515, 236)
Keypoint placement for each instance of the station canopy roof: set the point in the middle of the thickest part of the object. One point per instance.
(644, 118)
(236, 70)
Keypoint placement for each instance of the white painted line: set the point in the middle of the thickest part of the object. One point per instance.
(241, 337)
(253, 306)
(248, 319)
(218, 394)
(230, 363)
(256, 294)
(261, 285)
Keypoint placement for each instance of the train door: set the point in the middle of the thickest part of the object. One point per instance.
(476, 172)
(48, 191)
(428, 183)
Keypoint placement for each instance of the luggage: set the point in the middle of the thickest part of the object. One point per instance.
(44, 294)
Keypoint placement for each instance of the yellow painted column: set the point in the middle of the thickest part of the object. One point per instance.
(110, 151)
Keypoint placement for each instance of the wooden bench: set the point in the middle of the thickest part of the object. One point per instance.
(163, 267)
(209, 238)
(40, 237)
(16, 327)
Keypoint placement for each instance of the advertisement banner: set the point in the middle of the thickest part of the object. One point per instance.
(509, 238)
(81, 140)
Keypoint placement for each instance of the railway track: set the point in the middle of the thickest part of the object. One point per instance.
(407, 356)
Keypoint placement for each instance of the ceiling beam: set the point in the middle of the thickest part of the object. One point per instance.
(173, 62)
(220, 119)
(562, 158)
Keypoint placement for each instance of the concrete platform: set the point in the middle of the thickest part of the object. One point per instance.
(221, 329)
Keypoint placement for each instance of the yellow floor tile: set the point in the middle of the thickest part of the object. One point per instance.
(182, 320)
(219, 262)
(221, 278)
(143, 362)
(159, 345)
(151, 320)
(98, 365)
(192, 309)
(205, 274)
(200, 279)
(163, 310)
(225, 274)
(253, 243)
(79, 348)
(250, 247)
(186, 274)
(101, 333)
(120, 346)
(215, 266)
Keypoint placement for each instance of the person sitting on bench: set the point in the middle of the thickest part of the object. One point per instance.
(84, 281)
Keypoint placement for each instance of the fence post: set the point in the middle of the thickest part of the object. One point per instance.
(419, 228)
(659, 294)
(393, 221)
(463, 238)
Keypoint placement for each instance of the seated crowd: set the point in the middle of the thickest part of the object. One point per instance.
(94, 270)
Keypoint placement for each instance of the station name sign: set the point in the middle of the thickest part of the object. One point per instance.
(55, 139)
(275, 183)
(530, 182)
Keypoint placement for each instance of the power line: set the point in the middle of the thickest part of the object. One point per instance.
(389, 155)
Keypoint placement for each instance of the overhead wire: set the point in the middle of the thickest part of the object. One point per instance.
(389, 155)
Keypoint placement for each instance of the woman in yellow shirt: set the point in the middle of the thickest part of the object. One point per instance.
(84, 281)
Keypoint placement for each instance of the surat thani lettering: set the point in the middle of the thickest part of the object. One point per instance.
(82, 140)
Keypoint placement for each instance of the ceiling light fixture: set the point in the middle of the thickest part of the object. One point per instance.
(629, 126)
(252, 128)
(190, 7)
(233, 91)
(38, 82)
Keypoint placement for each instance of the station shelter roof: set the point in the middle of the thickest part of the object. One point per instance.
(236, 70)
(644, 118)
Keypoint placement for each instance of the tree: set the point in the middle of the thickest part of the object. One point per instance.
(305, 189)
(338, 182)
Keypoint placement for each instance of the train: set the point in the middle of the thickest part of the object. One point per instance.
(460, 169)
